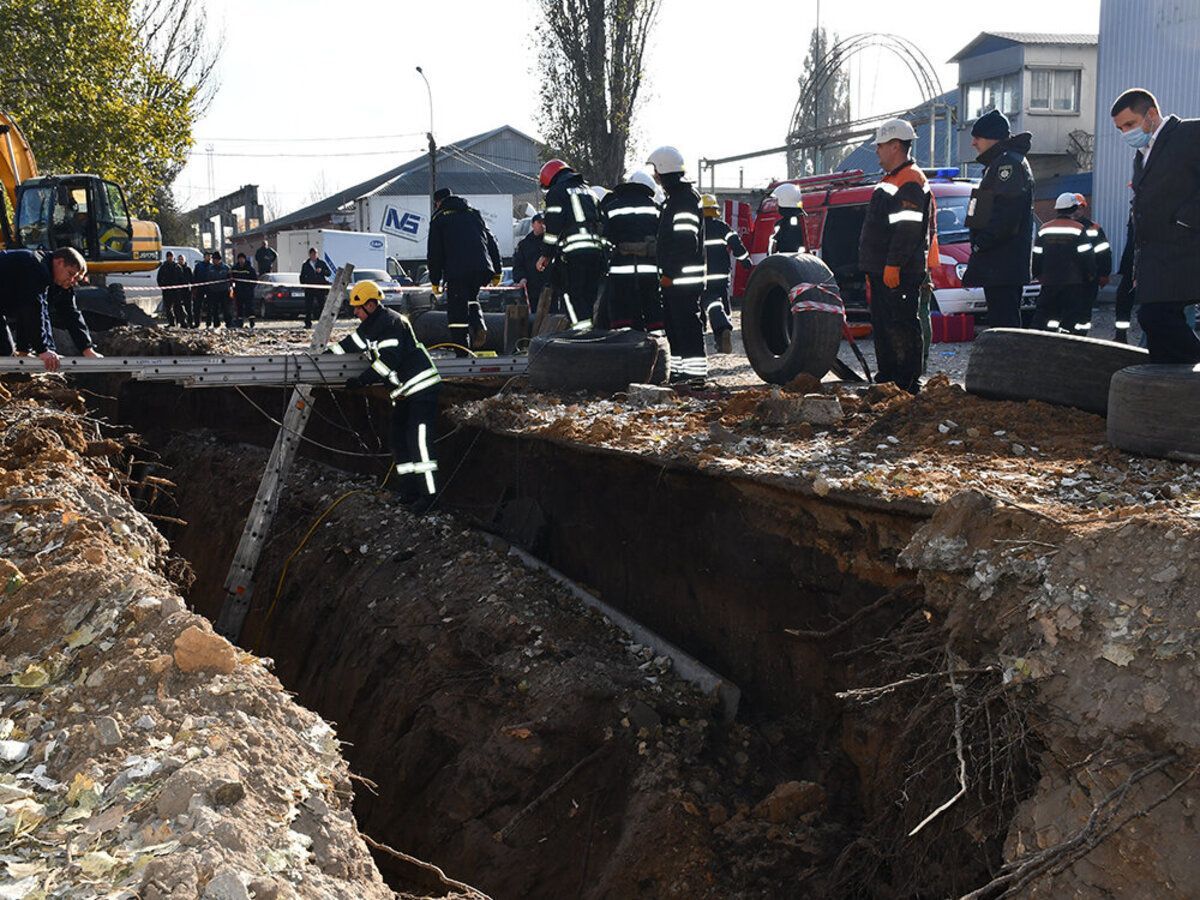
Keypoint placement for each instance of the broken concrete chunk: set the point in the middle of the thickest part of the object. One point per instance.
(819, 409)
(197, 650)
(649, 395)
(108, 731)
(783, 409)
(177, 792)
(791, 800)
(226, 885)
(13, 751)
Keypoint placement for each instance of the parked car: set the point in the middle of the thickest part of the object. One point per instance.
(492, 300)
(393, 297)
(280, 299)
(836, 205)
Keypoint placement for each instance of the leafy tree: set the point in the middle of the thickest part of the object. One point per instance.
(590, 59)
(98, 87)
(824, 101)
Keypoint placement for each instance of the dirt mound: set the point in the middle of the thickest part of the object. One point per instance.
(131, 340)
(142, 754)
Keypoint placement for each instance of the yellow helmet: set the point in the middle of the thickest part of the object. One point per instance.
(364, 291)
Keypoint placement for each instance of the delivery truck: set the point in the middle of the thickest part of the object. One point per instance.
(363, 249)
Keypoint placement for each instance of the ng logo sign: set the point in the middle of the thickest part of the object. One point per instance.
(401, 223)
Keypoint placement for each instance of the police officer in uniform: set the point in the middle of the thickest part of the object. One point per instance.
(680, 250)
(403, 365)
(572, 239)
(1000, 218)
(462, 252)
(524, 265)
(788, 236)
(1064, 264)
(720, 241)
(629, 224)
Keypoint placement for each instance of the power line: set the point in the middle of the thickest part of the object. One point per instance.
(331, 155)
(299, 140)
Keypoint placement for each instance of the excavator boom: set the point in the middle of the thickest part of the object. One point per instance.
(16, 165)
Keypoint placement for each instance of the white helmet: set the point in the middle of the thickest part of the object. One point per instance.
(894, 130)
(666, 160)
(599, 192)
(644, 178)
(789, 195)
(1066, 201)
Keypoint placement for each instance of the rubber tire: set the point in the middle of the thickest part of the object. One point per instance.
(1062, 369)
(431, 327)
(607, 361)
(1155, 411)
(781, 344)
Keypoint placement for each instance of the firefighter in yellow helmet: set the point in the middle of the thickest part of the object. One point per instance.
(404, 366)
(720, 241)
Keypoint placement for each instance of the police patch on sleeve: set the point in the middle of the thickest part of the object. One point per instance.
(1005, 173)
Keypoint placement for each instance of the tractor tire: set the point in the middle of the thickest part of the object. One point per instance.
(1016, 364)
(431, 327)
(607, 361)
(781, 344)
(1155, 411)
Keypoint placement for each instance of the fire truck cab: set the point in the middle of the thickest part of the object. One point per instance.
(836, 205)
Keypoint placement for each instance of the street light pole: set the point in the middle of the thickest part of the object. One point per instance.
(432, 142)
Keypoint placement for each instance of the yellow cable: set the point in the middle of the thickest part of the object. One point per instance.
(288, 561)
(452, 347)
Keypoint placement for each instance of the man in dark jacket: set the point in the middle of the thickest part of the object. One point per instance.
(681, 267)
(37, 294)
(1166, 222)
(191, 315)
(244, 276)
(524, 268)
(217, 294)
(1000, 219)
(168, 277)
(463, 253)
(629, 224)
(721, 244)
(265, 258)
(1064, 265)
(314, 271)
(199, 276)
(403, 365)
(893, 250)
(573, 239)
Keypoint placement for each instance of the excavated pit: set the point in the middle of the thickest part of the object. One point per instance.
(486, 705)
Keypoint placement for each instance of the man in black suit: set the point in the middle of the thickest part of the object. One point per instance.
(1166, 222)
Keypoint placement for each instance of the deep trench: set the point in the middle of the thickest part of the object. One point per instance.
(718, 565)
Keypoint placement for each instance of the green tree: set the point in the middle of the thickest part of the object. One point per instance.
(824, 101)
(96, 88)
(590, 57)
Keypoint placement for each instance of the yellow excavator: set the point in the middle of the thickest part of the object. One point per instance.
(86, 212)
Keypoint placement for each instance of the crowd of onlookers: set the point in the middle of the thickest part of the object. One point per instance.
(213, 293)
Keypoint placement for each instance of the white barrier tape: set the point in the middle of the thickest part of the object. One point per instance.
(282, 284)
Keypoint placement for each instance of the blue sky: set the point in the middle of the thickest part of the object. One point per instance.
(302, 78)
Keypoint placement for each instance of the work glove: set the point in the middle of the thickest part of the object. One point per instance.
(495, 280)
(665, 281)
(437, 290)
(891, 276)
(746, 263)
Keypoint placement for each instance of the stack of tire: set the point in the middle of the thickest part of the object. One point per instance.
(1151, 409)
(597, 360)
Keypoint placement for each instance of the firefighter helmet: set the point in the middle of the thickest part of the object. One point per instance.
(644, 178)
(709, 206)
(666, 160)
(549, 170)
(789, 195)
(1066, 201)
(365, 291)
(895, 130)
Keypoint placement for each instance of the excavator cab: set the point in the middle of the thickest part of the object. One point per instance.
(80, 211)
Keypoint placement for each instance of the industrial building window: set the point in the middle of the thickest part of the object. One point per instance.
(1002, 92)
(1054, 90)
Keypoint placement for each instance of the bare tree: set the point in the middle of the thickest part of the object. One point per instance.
(180, 43)
(590, 59)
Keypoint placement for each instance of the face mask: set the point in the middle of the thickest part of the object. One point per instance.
(1137, 138)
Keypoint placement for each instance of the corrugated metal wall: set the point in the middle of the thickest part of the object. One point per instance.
(1153, 44)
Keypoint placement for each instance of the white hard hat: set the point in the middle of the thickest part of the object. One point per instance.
(1066, 201)
(599, 192)
(666, 160)
(644, 178)
(894, 130)
(789, 195)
